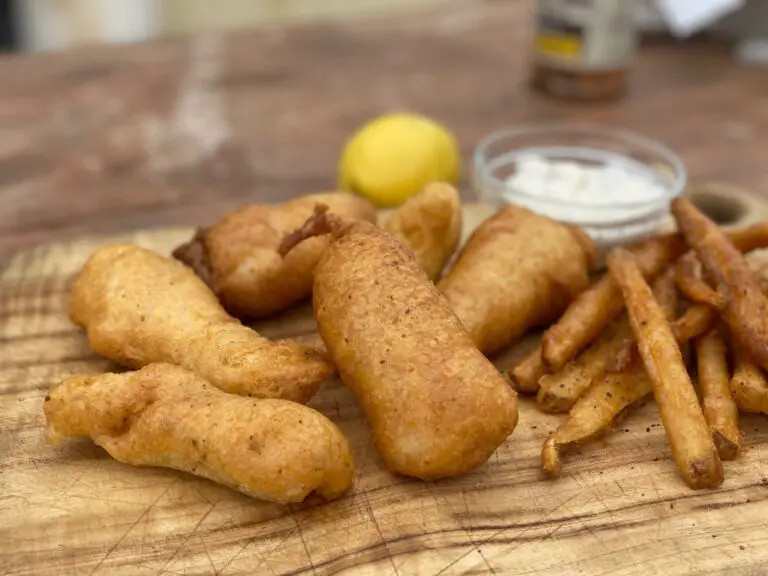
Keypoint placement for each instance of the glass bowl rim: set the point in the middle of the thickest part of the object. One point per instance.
(481, 162)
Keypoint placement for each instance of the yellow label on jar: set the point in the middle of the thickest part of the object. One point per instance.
(558, 45)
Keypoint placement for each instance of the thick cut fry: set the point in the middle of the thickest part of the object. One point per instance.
(238, 257)
(518, 270)
(694, 286)
(559, 391)
(595, 413)
(595, 308)
(696, 320)
(138, 308)
(525, 375)
(598, 306)
(720, 410)
(749, 385)
(430, 225)
(684, 423)
(608, 398)
(166, 416)
(747, 310)
(436, 405)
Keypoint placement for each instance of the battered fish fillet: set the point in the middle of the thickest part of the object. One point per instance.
(238, 256)
(166, 416)
(436, 405)
(430, 225)
(139, 307)
(517, 270)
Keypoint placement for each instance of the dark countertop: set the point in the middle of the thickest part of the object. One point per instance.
(180, 131)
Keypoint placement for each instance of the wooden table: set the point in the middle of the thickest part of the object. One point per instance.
(180, 131)
(177, 132)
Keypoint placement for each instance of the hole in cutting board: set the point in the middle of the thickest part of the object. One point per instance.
(722, 209)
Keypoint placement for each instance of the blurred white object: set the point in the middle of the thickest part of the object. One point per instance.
(685, 17)
(753, 52)
(57, 24)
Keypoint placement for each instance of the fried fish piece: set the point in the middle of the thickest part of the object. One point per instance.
(238, 257)
(436, 405)
(687, 432)
(517, 270)
(746, 311)
(138, 307)
(429, 223)
(166, 416)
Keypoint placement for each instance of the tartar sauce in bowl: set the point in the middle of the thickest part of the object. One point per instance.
(613, 184)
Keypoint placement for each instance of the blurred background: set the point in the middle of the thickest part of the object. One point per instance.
(40, 25)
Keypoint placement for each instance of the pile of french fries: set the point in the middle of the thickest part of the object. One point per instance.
(622, 340)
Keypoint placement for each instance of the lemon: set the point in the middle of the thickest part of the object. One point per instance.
(393, 157)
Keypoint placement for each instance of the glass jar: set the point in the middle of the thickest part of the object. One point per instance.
(583, 48)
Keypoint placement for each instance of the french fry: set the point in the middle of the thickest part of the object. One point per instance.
(608, 398)
(686, 428)
(559, 391)
(693, 286)
(749, 385)
(750, 238)
(694, 322)
(719, 408)
(595, 308)
(595, 413)
(747, 310)
(525, 375)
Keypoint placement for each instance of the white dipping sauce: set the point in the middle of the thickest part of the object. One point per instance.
(614, 199)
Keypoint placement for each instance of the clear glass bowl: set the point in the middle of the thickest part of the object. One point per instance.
(610, 221)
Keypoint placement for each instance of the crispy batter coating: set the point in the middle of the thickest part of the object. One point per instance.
(517, 270)
(595, 308)
(684, 422)
(436, 405)
(749, 385)
(746, 312)
(608, 398)
(238, 256)
(166, 416)
(429, 223)
(139, 307)
(720, 410)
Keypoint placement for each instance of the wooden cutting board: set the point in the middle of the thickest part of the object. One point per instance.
(620, 507)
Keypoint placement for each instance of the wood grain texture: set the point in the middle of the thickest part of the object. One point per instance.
(178, 132)
(620, 507)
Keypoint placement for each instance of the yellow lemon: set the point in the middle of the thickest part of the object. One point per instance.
(393, 157)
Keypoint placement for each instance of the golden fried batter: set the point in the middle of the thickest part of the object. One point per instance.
(138, 307)
(430, 225)
(436, 405)
(166, 416)
(238, 256)
(517, 270)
